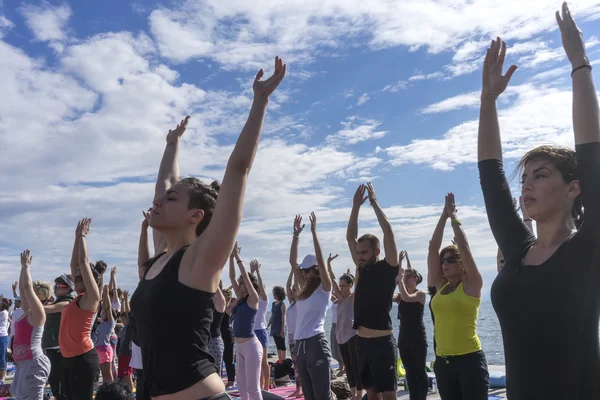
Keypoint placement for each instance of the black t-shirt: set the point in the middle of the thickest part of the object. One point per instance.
(549, 314)
(373, 296)
(215, 326)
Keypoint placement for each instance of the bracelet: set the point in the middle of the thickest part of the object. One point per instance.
(295, 237)
(239, 261)
(527, 220)
(82, 235)
(581, 67)
(455, 221)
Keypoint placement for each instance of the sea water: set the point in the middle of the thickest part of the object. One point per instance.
(488, 330)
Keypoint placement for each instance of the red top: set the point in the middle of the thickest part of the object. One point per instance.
(75, 329)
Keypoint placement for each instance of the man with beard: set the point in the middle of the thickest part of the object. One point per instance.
(376, 283)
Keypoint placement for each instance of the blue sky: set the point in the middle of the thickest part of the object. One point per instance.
(381, 90)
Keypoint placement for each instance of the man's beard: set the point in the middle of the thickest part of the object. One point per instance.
(369, 262)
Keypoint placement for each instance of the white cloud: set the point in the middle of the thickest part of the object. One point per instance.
(422, 77)
(400, 85)
(538, 115)
(464, 100)
(356, 130)
(47, 22)
(363, 99)
(5, 25)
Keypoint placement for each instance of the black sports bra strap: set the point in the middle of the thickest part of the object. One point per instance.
(148, 264)
(175, 261)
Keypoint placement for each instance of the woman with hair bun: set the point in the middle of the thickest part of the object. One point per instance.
(80, 362)
(412, 339)
(194, 229)
(277, 322)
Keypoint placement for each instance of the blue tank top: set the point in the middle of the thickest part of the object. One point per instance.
(276, 318)
(244, 318)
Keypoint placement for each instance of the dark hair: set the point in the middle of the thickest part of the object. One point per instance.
(254, 281)
(113, 391)
(349, 278)
(372, 239)
(98, 270)
(416, 274)
(5, 303)
(565, 160)
(204, 197)
(279, 293)
(309, 287)
(452, 249)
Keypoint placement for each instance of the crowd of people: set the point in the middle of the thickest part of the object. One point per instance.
(544, 295)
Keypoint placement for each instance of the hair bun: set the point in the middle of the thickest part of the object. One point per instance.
(100, 267)
(216, 186)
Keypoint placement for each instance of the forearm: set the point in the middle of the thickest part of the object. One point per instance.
(86, 271)
(325, 279)
(385, 225)
(242, 157)
(294, 261)
(586, 120)
(288, 286)
(438, 234)
(75, 257)
(489, 144)
(352, 231)
(263, 294)
(168, 172)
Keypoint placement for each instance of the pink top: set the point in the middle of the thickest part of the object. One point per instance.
(75, 328)
(27, 342)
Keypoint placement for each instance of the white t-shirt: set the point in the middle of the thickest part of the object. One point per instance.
(290, 320)
(261, 315)
(136, 357)
(17, 314)
(310, 317)
(334, 313)
(116, 305)
(3, 323)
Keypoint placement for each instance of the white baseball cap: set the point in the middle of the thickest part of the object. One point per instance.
(309, 262)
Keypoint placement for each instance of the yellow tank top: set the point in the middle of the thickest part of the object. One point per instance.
(455, 327)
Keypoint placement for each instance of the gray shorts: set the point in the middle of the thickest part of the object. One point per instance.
(30, 378)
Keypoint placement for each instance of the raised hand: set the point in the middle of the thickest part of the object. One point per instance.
(235, 253)
(494, 83)
(572, 38)
(125, 294)
(113, 271)
(403, 255)
(265, 88)
(83, 227)
(298, 225)
(147, 215)
(359, 196)
(450, 205)
(313, 222)
(371, 192)
(15, 285)
(174, 135)
(330, 258)
(25, 259)
(254, 265)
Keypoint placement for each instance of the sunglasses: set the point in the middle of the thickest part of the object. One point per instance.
(450, 260)
(59, 286)
(410, 277)
(307, 270)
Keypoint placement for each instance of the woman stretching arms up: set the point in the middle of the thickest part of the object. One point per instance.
(546, 295)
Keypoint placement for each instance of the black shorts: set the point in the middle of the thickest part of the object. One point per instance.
(377, 361)
(463, 377)
(280, 343)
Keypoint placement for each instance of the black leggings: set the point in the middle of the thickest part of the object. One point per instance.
(139, 385)
(280, 343)
(228, 341)
(462, 377)
(56, 373)
(414, 359)
(350, 358)
(78, 375)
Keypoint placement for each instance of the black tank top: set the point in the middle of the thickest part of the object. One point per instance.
(412, 329)
(173, 328)
(215, 326)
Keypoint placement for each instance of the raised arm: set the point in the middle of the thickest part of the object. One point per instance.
(283, 314)
(220, 302)
(14, 289)
(126, 308)
(106, 306)
(256, 266)
(335, 289)
(143, 246)
(526, 218)
(288, 286)
(252, 293)
(209, 252)
(168, 175)
(113, 285)
(91, 297)
(75, 256)
(298, 227)
(352, 231)
(473, 280)
(29, 301)
(435, 275)
(232, 274)
(325, 278)
(389, 242)
(417, 297)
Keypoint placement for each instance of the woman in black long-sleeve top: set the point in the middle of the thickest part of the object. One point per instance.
(546, 295)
